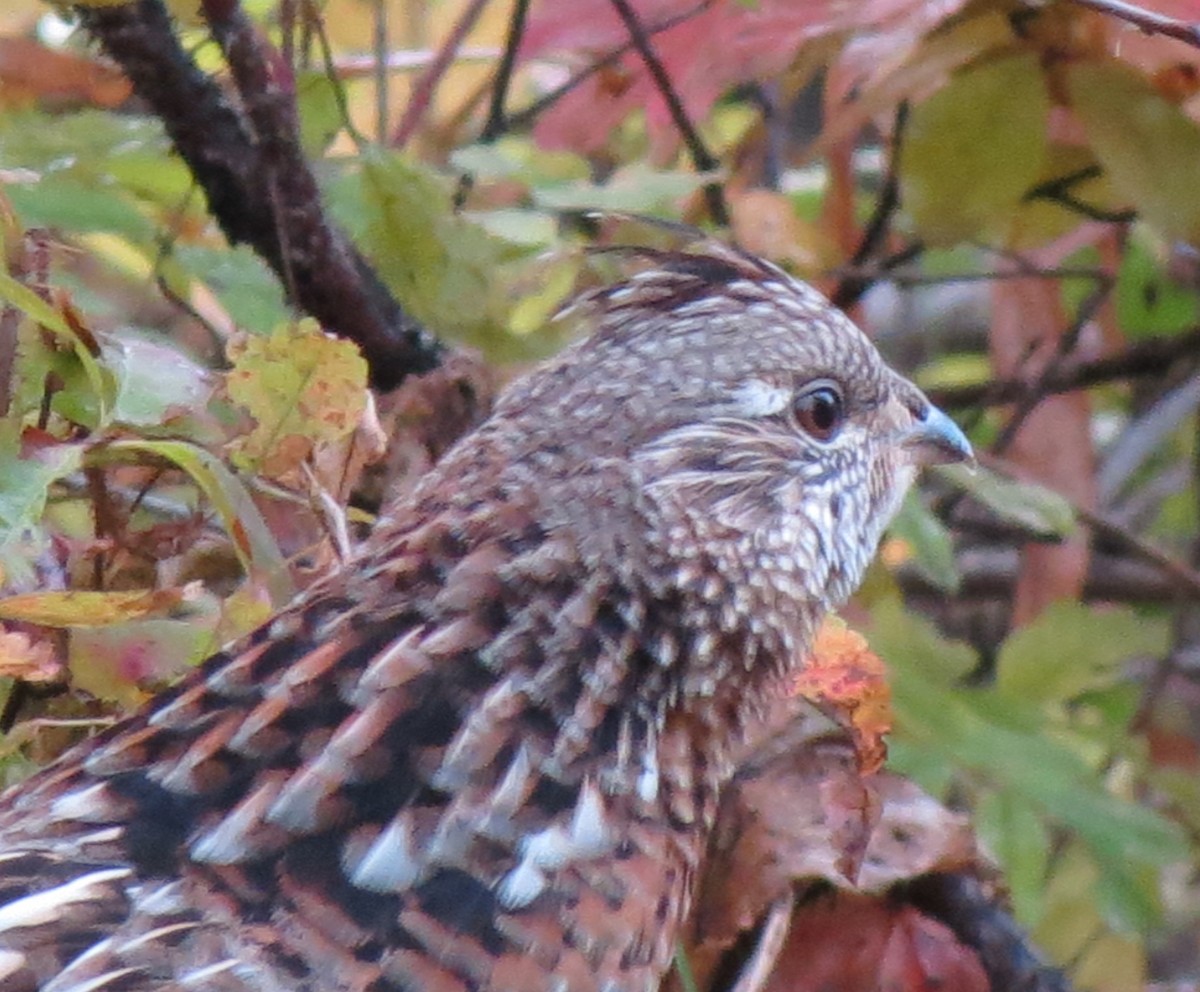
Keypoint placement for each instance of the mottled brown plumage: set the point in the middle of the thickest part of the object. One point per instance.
(486, 754)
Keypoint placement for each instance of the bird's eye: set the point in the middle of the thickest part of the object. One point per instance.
(820, 411)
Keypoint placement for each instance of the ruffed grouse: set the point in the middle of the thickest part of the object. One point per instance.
(486, 753)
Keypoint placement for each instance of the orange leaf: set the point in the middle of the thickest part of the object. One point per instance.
(845, 675)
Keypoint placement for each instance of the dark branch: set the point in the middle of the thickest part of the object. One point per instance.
(851, 289)
(495, 125)
(963, 904)
(259, 186)
(1062, 354)
(1153, 357)
(422, 94)
(525, 116)
(1059, 191)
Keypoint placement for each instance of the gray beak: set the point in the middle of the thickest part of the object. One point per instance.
(935, 439)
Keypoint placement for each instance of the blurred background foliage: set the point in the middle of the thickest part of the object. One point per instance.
(1004, 193)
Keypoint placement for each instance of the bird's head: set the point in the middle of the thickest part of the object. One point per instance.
(766, 439)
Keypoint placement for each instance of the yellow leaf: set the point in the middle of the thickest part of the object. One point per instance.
(84, 608)
(1148, 147)
(973, 149)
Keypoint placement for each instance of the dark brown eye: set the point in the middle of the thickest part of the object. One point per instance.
(820, 411)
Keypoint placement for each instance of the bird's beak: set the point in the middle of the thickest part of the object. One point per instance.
(935, 439)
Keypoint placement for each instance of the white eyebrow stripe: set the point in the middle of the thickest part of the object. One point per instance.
(756, 398)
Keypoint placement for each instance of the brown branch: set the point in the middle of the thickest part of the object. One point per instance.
(259, 187)
(1148, 20)
(701, 157)
(422, 94)
(989, 573)
(1153, 357)
(1062, 353)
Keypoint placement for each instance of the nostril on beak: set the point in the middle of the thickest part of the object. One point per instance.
(935, 439)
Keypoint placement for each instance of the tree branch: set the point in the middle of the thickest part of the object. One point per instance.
(260, 189)
(495, 125)
(1153, 357)
(524, 117)
(852, 287)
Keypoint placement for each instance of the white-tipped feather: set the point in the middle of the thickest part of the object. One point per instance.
(46, 906)
(389, 864)
(521, 886)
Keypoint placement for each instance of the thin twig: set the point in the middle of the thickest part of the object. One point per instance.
(1105, 526)
(1148, 20)
(524, 117)
(314, 26)
(1059, 191)
(702, 158)
(850, 290)
(495, 125)
(422, 93)
(908, 279)
(379, 43)
(1066, 344)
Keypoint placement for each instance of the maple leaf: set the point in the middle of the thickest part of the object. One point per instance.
(303, 388)
(721, 45)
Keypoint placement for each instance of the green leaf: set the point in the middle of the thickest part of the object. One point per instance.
(1071, 648)
(929, 540)
(244, 284)
(1008, 742)
(1017, 836)
(113, 663)
(320, 111)
(1149, 302)
(1130, 899)
(155, 382)
(519, 158)
(635, 189)
(1147, 145)
(973, 149)
(80, 144)
(444, 268)
(908, 643)
(1033, 507)
(65, 202)
(33, 306)
(25, 481)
